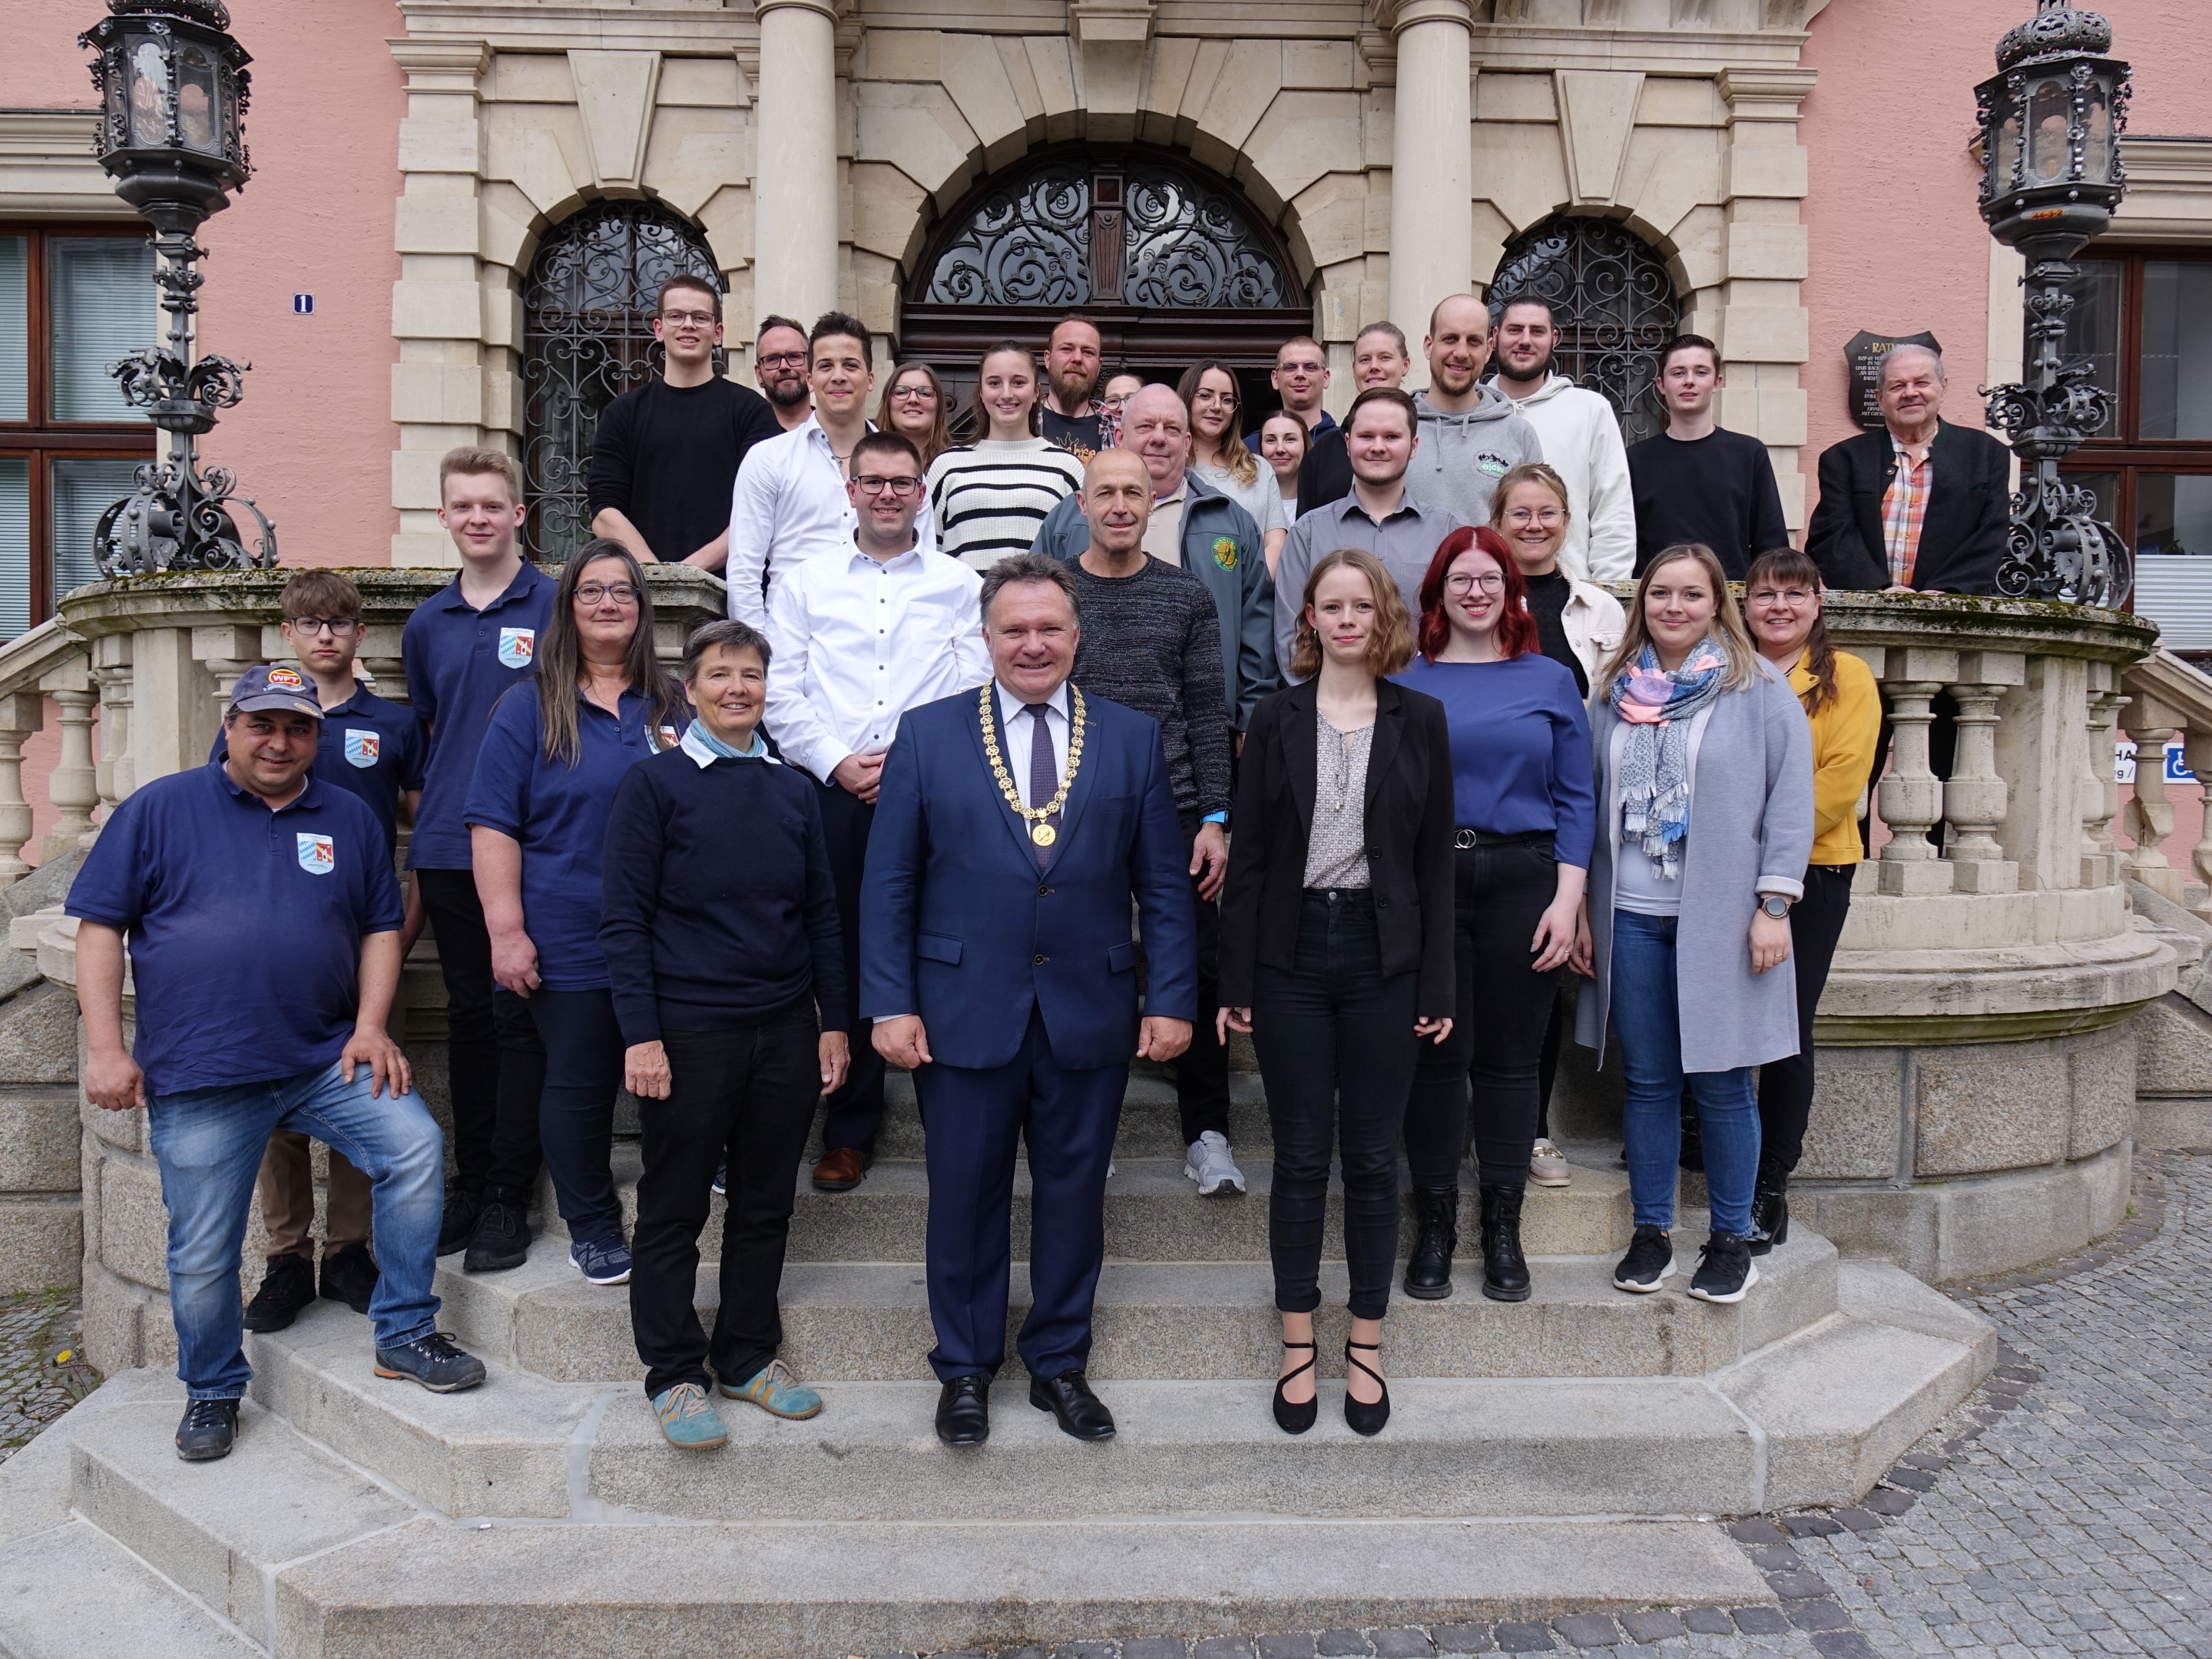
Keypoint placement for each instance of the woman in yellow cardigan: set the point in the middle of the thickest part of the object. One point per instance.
(1782, 602)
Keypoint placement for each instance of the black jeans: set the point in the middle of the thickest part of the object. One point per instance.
(1547, 1061)
(495, 1063)
(1501, 893)
(1201, 1073)
(856, 1112)
(576, 1113)
(1785, 1086)
(744, 1095)
(1335, 1041)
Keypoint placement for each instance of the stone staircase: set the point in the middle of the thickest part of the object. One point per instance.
(1543, 1457)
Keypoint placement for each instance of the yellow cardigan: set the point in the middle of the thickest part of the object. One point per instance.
(1845, 733)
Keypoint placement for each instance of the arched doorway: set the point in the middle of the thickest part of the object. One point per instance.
(1615, 304)
(1167, 258)
(587, 338)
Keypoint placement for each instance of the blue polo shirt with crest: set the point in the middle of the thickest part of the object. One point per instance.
(370, 747)
(244, 925)
(459, 660)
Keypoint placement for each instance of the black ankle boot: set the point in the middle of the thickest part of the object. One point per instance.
(1504, 1269)
(1428, 1270)
(1770, 1209)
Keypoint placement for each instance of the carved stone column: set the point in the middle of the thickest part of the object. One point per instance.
(73, 786)
(1432, 161)
(2100, 860)
(1974, 799)
(2148, 819)
(1912, 796)
(795, 171)
(111, 671)
(2196, 750)
(21, 716)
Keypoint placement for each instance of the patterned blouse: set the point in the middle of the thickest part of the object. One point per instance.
(1336, 852)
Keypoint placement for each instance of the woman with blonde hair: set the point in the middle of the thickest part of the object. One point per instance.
(1577, 623)
(1704, 767)
(1217, 455)
(1337, 949)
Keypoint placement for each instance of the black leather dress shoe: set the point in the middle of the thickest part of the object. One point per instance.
(963, 1411)
(1068, 1397)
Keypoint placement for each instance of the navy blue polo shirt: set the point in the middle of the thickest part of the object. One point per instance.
(458, 661)
(244, 925)
(559, 813)
(371, 748)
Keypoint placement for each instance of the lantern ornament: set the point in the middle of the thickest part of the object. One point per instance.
(173, 88)
(2052, 176)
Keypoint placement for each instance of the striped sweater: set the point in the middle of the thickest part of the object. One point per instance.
(990, 499)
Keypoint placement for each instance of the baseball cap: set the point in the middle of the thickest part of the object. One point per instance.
(274, 688)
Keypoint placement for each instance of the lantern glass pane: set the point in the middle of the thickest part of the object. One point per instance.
(195, 101)
(2097, 138)
(2006, 160)
(148, 68)
(2051, 139)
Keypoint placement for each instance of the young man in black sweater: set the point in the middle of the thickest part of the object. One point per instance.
(718, 962)
(1698, 482)
(665, 454)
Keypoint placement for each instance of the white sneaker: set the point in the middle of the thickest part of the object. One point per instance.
(1547, 1165)
(1211, 1166)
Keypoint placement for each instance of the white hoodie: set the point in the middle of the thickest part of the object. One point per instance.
(1581, 437)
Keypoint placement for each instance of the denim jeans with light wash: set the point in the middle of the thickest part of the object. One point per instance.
(1647, 1014)
(209, 1143)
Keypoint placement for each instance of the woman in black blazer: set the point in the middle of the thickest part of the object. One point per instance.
(1336, 948)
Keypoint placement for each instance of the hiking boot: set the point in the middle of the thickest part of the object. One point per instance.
(1504, 1269)
(208, 1430)
(288, 1286)
(1428, 1269)
(349, 1276)
(434, 1361)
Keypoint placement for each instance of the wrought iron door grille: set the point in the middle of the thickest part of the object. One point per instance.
(587, 337)
(1615, 304)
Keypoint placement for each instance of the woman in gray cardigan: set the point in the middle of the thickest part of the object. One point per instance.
(1704, 762)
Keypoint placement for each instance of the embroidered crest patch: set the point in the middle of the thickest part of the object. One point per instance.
(362, 748)
(518, 646)
(1225, 552)
(319, 856)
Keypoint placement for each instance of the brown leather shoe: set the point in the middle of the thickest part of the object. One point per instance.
(839, 1171)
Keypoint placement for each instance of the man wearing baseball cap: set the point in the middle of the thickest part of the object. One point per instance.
(263, 922)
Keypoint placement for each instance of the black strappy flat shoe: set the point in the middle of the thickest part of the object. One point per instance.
(1363, 1417)
(1296, 1418)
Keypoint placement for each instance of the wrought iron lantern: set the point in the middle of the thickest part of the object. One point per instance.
(173, 88)
(2051, 122)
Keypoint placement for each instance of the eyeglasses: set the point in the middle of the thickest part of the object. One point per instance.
(1312, 366)
(1540, 515)
(1208, 395)
(917, 394)
(780, 359)
(600, 592)
(1459, 586)
(1789, 596)
(341, 627)
(875, 483)
(704, 318)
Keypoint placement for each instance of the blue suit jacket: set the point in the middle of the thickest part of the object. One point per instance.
(958, 925)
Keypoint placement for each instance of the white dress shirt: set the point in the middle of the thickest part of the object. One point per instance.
(857, 643)
(788, 504)
(1016, 723)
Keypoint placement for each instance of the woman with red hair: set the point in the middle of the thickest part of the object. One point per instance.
(1526, 810)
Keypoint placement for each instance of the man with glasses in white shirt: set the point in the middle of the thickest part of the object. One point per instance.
(858, 638)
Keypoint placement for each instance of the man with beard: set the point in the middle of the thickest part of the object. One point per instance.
(1581, 441)
(779, 366)
(1379, 357)
(1470, 435)
(1069, 418)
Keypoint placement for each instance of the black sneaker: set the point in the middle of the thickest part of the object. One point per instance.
(434, 1361)
(463, 1206)
(1651, 1258)
(501, 1239)
(349, 1276)
(287, 1286)
(208, 1430)
(1725, 1269)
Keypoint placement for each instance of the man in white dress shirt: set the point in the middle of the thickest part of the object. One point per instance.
(790, 501)
(859, 637)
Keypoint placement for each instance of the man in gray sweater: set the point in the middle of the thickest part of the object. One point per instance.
(1471, 436)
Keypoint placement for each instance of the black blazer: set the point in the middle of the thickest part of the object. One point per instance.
(1325, 475)
(1410, 818)
(1962, 538)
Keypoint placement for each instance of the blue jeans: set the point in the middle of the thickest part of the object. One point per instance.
(209, 1143)
(1647, 1013)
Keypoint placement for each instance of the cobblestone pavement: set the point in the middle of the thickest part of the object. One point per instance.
(36, 1332)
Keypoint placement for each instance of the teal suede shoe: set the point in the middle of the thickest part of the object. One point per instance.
(688, 1419)
(776, 1391)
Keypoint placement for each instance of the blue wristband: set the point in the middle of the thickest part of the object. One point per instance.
(1215, 817)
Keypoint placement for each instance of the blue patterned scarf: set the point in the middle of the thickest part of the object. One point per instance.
(1657, 707)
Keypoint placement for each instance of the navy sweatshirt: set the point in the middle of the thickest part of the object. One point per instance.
(719, 906)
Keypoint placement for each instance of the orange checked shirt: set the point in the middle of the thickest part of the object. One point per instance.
(1904, 507)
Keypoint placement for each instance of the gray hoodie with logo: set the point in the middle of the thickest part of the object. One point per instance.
(1461, 457)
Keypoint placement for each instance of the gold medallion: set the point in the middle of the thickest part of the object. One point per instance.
(1043, 834)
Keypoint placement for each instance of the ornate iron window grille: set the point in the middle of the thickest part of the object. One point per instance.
(1615, 305)
(587, 337)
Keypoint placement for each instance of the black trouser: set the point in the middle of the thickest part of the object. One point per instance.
(495, 1065)
(576, 1112)
(1501, 892)
(1547, 1061)
(744, 1096)
(1201, 1073)
(1335, 1041)
(856, 1112)
(1785, 1086)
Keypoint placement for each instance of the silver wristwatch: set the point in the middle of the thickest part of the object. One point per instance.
(1776, 906)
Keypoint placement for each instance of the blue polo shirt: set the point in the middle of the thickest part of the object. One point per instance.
(559, 813)
(244, 925)
(458, 661)
(371, 748)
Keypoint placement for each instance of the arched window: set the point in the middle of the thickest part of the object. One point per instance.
(1615, 304)
(587, 338)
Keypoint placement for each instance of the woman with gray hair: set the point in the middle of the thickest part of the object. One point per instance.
(1703, 765)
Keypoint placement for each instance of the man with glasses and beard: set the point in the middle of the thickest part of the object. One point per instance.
(665, 453)
(1069, 418)
(779, 365)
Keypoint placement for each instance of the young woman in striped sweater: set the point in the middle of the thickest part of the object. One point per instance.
(990, 498)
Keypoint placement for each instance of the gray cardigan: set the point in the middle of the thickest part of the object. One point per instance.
(1751, 833)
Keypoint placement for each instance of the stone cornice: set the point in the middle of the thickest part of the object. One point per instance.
(2169, 196)
(1766, 92)
(524, 26)
(48, 170)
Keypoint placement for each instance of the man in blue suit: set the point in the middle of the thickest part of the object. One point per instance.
(1014, 825)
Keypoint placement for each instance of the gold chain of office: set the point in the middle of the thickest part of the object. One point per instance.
(1040, 832)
